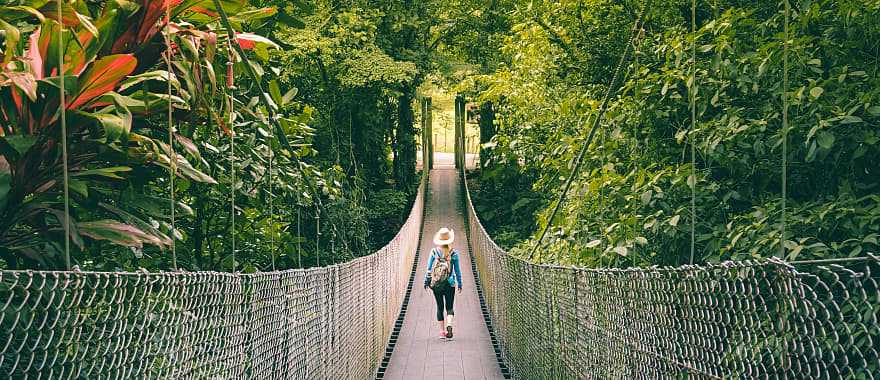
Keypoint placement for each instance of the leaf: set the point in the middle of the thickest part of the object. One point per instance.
(250, 41)
(11, 37)
(811, 154)
(5, 186)
(646, 197)
(79, 187)
(33, 55)
(21, 143)
(102, 77)
(156, 75)
(114, 232)
(103, 172)
(641, 240)
(674, 220)
(593, 243)
(25, 82)
(115, 126)
(874, 110)
(185, 169)
(188, 145)
(275, 92)
(87, 24)
(290, 94)
(18, 12)
(825, 139)
(115, 121)
(816, 92)
(253, 15)
(850, 119)
(152, 234)
(620, 250)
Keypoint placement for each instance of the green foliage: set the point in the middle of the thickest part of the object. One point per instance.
(506, 203)
(119, 90)
(387, 209)
(631, 203)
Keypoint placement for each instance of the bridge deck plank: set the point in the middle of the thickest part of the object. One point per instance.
(420, 353)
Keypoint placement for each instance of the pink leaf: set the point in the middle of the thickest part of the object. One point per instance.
(33, 54)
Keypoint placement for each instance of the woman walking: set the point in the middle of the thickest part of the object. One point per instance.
(443, 276)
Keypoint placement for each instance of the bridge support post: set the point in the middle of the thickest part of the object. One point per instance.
(429, 132)
(427, 141)
(459, 131)
(424, 128)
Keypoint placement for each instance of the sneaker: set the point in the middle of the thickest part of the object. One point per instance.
(449, 331)
(443, 334)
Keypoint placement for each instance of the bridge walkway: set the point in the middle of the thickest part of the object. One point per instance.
(420, 353)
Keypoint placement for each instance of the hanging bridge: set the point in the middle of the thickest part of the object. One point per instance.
(516, 319)
(365, 319)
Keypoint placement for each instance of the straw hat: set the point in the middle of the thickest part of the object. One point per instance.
(444, 236)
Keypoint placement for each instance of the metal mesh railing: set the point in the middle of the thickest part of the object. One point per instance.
(330, 323)
(755, 319)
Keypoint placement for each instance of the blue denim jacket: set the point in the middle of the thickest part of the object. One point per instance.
(455, 276)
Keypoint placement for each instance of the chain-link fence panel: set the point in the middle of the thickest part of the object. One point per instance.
(753, 319)
(321, 323)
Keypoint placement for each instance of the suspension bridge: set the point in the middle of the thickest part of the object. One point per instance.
(365, 319)
(516, 319)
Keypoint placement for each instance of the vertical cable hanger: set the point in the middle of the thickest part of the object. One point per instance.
(693, 106)
(270, 153)
(63, 112)
(318, 238)
(784, 128)
(299, 259)
(637, 51)
(602, 221)
(172, 156)
(230, 86)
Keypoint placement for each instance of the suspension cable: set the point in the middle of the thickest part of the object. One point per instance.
(693, 105)
(63, 111)
(172, 161)
(602, 108)
(784, 128)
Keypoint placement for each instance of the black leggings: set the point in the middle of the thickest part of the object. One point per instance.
(445, 295)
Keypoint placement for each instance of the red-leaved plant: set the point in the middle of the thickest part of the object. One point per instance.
(108, 50)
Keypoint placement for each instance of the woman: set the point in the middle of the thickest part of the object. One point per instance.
(443, 275)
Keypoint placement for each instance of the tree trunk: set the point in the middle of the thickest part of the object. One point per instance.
(487, 129)
(405, 161)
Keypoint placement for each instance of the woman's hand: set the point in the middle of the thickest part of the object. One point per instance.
(459, 290)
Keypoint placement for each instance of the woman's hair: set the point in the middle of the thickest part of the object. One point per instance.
(446, 247)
